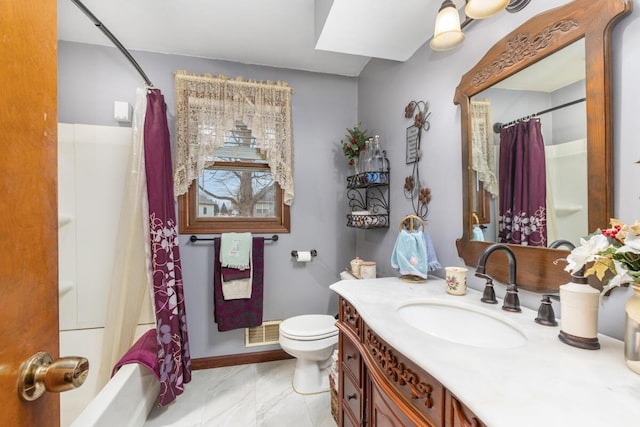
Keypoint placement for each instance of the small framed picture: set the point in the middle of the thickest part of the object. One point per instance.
(412, 144)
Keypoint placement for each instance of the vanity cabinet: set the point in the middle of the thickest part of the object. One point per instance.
(381, 387)
(458, 415)
(350, 369)
(368, 192)
(383, 411)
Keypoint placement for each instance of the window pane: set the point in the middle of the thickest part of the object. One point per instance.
(240, 146)
(236, 192)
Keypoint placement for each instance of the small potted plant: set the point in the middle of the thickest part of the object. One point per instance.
(354, 143)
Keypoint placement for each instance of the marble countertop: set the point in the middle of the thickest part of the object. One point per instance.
(542, 382)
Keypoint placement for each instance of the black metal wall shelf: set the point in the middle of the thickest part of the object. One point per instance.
(368, 195)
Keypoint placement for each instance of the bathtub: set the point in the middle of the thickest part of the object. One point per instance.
(125, 401)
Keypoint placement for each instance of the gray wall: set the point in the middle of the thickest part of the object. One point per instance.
(559, 126)
(91, 78)
(569, 123)
(508, 105)
(385, 88)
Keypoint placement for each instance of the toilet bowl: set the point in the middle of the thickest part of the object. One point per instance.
(311, 339)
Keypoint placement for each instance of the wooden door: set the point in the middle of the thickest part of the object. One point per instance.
(28, 206)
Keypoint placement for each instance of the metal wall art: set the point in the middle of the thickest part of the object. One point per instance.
(413, 190)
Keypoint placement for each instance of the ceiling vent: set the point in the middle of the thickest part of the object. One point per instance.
(266, 334)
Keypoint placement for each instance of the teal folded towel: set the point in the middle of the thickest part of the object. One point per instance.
(409, 256)
(432, 259)
(235, 250)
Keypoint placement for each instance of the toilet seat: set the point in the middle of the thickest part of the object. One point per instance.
(309, 327)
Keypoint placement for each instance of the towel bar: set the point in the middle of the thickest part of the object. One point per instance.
(273, 238)
(408, 222)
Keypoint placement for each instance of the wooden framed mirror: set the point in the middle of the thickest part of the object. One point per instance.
(582, 22)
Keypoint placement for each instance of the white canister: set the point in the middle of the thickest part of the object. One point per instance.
(355, 266)
(368, 270)
(579, 304)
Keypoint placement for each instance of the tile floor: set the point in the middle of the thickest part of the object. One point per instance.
(257, 395)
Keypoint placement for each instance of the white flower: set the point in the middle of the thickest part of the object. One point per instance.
(622, 276)
(631, 244)
(586, 252)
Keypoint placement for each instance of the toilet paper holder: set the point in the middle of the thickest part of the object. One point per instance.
(295, 253)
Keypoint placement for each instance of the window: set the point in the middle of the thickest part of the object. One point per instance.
(236, 193)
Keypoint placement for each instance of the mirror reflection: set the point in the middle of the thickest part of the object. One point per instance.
(529, 152)
(525, 47)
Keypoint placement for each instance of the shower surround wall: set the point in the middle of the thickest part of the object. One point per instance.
(91, 78)
(92, 165)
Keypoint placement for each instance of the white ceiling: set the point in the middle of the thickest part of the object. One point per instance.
(543, 76)
(329, 36)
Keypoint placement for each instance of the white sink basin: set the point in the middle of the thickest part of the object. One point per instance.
(462, 324)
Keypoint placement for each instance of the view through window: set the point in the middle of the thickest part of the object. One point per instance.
(236, 193)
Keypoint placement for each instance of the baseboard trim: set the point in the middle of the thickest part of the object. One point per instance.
(238, 359)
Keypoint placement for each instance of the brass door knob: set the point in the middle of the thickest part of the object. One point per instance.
(40, 373)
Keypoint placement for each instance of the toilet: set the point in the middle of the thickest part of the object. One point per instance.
(311, 339)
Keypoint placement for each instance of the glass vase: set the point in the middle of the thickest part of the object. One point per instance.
(632, 331)
(356, 166)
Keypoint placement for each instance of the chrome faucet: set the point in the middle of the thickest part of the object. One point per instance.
(511, 300)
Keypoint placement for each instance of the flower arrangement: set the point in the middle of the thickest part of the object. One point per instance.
(354, 143)
(615, 250)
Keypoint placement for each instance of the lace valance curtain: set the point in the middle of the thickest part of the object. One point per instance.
(208, 107)
(482, 147)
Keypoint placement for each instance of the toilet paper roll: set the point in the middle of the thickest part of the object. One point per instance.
(303, 256)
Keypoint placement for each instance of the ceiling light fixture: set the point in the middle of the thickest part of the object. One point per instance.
(448, 31)
(481, 9)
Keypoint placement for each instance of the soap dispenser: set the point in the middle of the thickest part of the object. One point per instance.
(579, 314)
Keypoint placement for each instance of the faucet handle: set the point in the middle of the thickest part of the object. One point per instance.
(558, 260)
(546, 316)
(483, 275)
(511, 300)
(489, 294)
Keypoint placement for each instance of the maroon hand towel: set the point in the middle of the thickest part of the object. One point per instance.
(239, 313)
(229, 274)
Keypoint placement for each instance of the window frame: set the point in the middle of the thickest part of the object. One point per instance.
(190, 223)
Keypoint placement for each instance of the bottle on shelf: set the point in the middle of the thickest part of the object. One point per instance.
(363, 157)
(366, 157)
(376, 162)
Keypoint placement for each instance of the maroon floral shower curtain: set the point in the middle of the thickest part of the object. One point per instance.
(171, 319)
(522, 184)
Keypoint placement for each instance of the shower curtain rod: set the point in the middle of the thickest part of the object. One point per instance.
(113, 39)
(498, 126)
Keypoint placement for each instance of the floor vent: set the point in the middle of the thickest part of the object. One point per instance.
(265, 334)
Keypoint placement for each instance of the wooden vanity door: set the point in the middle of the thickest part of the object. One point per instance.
(458, 415)
(350, 392)
(383, 412)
